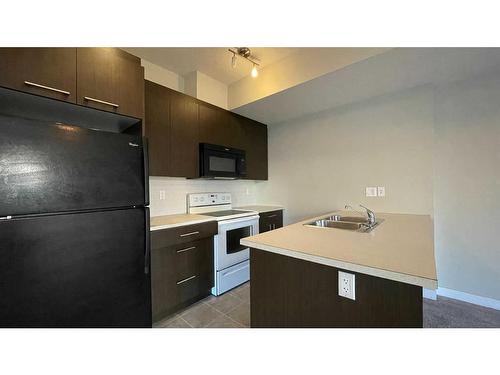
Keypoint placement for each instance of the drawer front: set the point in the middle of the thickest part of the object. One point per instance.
(193, 258)
(270, 220)
(183, 234)
(192, 288)
(181, 274)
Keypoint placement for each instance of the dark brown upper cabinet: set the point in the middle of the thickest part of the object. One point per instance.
(110, 79)
(49, 72)
(157, 128)
(255, 144)
(177, 123)
(184, 139)
(218, 126)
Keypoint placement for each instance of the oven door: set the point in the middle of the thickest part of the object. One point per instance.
(228, 250)
(222, 162)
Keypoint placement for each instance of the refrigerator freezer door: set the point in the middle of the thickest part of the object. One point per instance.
(75, 270)
(48, 168)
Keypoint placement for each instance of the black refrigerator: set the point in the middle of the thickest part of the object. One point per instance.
(74, 226)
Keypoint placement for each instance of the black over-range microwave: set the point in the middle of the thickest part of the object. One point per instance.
(221, 162)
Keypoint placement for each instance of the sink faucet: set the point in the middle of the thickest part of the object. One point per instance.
(369, 213)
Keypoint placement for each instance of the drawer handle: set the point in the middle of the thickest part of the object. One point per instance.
(186, 249)
(185, 280)
(272, 215)
(189, 234)
(46, 87)
(100, 101)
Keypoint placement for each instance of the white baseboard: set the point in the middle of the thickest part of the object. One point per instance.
(470, 298)
(462, 296)
(429, 294)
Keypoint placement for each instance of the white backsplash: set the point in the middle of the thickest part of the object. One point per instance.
(242, 192)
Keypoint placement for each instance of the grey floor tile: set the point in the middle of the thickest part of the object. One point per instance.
(242, 292)
(200, 315)
(177, 323)
(241, 314)
(225, 303)
(165, 322)
(224, 322)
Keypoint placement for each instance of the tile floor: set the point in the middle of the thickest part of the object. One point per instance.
(232, 310)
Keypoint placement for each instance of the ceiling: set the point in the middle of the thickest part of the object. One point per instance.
(214, 62)
(389, 72)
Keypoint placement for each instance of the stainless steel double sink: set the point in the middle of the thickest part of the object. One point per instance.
(352, 223)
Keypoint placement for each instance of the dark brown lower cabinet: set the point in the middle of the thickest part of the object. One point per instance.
(181, 267)
(293, 293)
(270, 220)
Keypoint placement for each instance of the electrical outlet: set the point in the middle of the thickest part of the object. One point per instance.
(381, 191)
(162, 195)
(371, 191)
(347, 285)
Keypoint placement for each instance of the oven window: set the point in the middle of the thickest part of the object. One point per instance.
(218, 164)
(233, 238)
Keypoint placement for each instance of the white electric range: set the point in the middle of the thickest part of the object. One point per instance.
(231, 259)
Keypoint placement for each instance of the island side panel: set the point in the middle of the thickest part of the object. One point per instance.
(293, 293)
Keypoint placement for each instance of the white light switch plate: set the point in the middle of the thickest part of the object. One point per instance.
(381, 191)
(347, 285)
(162, 195)
(371, 191)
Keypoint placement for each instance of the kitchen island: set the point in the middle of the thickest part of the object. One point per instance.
(295, 274)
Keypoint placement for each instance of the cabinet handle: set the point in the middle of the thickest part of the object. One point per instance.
(47, 87)
(100, 101)
(272, 215)
(186, 249)
(186, 279)
(189, 234)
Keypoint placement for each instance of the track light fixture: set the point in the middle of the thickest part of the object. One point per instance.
(247, 55)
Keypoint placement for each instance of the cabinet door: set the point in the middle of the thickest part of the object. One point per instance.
(255, 141)
(270, 221)
(219, 127)
(47, 72)
(157, 128)
(110, 79)
(181, 274)
(211, 125)
(184, 144)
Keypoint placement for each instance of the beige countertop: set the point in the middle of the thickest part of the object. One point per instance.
(260, 208)
(171, 221)
(401, 248)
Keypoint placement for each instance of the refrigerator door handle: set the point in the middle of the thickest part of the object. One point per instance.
(147, 252)
(145, 153)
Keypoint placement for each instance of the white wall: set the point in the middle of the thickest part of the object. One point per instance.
(162, 76)
(206, 88)
(321, 162)
(467, 186)
(242, 192)
(436, 150)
